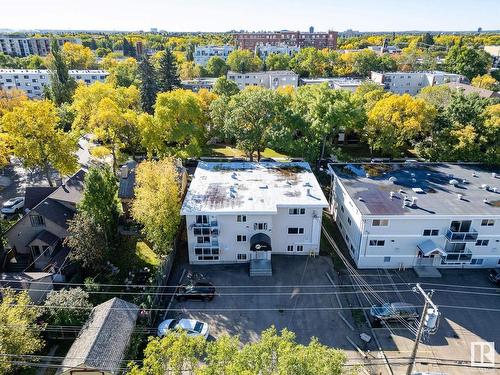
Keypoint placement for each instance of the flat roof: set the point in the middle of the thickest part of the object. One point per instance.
(45, 71)
(250, 187)
(436, 186)
(266, 72)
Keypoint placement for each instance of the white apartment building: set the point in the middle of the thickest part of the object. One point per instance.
(418, 215)
(196, 84)
(17, 45)
(32, 81)
(246, 211)
(270, 79)
(340, 83)
(412, 82)
(264, 50)
(203, 53)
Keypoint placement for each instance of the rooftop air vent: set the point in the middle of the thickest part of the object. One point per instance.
(485, 187)
(361, 199)
(414, 201)
(495, 189)
(465, 181)
(486, 201)
(459, 197)
(474, 174)
(453, 182)
(393, 179)
(391, 194)
(493, 174)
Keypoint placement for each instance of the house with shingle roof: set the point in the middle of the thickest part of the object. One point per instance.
(102, 343)
(36, 240)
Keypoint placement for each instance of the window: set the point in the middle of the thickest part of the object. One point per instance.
(37, 221)
(487, 222)
(380, 222)
(295, 230)
(241, 256)
(296, 211)
(387, 259)
(35, 249)
(207, 253)
(340, 225)
(260, 226)
(203, 239)
(482, 242)
(476, 261)
(431, 232)
(201, 219)
(342, 208)
(241, 238)
(300, 248)
(349, 220)
(289, 248)
(241, 218)
(201, 231)
(377, 242)
(347, 240)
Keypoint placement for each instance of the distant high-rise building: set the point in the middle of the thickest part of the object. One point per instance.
(311, 29)
(320, 40)
(154, 30)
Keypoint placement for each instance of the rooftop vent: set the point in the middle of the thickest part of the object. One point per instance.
(485, 187)
(495, 189)
(412, 174)
(392, 194)
(465, 181)
(414, 201)
(393, 179)
(401, 191)
(308, 192)
(459, 197)
(418, 190)
(453, 182)
(361, 199)
(486, 201)
(474, 174)
(493, 174)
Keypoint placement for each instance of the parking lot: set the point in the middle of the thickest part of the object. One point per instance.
(300, 296)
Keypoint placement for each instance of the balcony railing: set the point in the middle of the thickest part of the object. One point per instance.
(211, 224)
(470, 236)
(459, 257)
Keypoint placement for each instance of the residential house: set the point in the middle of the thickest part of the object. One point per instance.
(240, 212)
(102, 343)
(271, 79)
(36, 240)
(418, 214)
(469, 89)
(37, 284)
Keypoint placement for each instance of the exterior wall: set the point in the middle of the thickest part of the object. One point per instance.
(33, 81)
(203, 53)
(404, 233)
(22, 46)
(317, 40)
(412, 82)
(264, 50)
(22, 233)
(38, 290)
(277, 230)
(264, 79)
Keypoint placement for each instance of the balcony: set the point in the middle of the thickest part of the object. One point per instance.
(210, 224)
(454, 258)
(470, 236)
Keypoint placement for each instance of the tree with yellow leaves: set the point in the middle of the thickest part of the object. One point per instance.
(157, 202)
(395, 121)
(487, 82)
(10, 99)
(77, 56)
(32, 133)
(177, 127)
(19, 333)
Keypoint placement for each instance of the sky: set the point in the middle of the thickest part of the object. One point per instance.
(252, 15)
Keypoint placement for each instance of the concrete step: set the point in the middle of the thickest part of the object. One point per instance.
(261, 267)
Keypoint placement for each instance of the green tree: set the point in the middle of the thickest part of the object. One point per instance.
(177, 127)
(67, 307)
(244, 61)
(217, 67)
(157, 202)
(77, 56)
(225, 87)
(148, 85)
(19, 332)
(309, 62)
(31, 131)
(251, 115)
(439, 95)
(100, 200)
(167, 75)
(62, 85)
(427, 39)
(278, 61)
(274, 353)
(467, 61)
(123, 73)
(87, 242)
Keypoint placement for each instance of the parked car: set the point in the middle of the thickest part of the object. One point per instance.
(12, 205)
(198, 290)
(494, 276)
(192, 327)
(393, 311)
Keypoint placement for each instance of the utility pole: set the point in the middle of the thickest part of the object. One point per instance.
(428, 320)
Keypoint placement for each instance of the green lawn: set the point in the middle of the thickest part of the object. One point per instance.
(229, 151)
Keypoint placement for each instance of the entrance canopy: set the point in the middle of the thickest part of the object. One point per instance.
(260, 242)
(428, 247)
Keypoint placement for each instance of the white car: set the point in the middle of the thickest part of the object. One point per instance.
(12, 205)
(192, 327)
